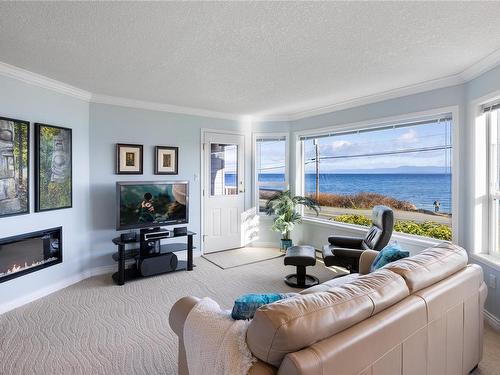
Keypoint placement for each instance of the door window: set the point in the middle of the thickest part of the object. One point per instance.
(223, 169)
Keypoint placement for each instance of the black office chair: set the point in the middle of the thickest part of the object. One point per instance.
(345, 251)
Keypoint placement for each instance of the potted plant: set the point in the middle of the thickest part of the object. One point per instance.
(284, 206)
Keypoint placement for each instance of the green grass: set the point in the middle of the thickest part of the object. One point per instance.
(427, 228)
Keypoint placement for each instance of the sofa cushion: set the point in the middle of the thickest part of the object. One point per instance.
(327, 285)
(290, 325)
(430, 266)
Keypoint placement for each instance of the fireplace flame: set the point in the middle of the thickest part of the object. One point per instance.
(17, 268)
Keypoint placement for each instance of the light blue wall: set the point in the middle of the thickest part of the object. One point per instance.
(34, 104)
(111, 124)
(425, 101)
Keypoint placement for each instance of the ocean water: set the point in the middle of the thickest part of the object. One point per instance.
(420, 189)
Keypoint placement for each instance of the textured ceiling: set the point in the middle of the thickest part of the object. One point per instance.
(247, 57)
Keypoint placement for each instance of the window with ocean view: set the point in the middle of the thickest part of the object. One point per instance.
(271, 173)
(407, 167)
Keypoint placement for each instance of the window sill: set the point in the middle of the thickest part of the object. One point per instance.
(490, 260)
(401, 237)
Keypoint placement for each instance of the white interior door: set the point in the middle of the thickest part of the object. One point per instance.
(224, 191)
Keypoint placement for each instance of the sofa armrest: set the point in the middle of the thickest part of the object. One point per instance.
(346, 242)
(176, 319)
(366, 260)
(179, 313)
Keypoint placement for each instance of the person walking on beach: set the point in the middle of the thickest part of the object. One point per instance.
(437, 205)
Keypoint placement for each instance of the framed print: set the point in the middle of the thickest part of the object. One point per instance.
(14, 167)
(53, 168)
(166, 160)
(129, 158)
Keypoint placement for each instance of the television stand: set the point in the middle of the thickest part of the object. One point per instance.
(137, 253)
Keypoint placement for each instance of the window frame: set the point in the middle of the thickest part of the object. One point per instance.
(493, 180)
(383, 122)
(255, 177)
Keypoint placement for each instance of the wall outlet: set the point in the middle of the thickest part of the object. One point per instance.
(492, 281)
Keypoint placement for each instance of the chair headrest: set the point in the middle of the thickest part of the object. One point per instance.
(382, 217)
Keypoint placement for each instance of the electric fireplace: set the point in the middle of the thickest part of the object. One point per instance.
(30, 252)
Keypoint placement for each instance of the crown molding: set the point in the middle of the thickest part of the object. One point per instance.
(482, 66)
(39, 80)
(369, 99)
(153, 106)
(474, 71)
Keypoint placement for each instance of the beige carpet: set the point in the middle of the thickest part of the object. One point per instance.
(241, 257)
(490, 365)
(95, 327)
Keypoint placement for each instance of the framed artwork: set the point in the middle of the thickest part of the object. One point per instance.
(53, 168)
(129, 158)
(14, 167)
(166, 160)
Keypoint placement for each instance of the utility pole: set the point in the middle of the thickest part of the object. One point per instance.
(316, 145)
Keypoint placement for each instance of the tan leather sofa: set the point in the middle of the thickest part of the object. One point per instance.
(419, 315)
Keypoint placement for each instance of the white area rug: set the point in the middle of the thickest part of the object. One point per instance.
(240, 257)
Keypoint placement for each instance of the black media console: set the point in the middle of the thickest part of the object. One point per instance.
(155, 259)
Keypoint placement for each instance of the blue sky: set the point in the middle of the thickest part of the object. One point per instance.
(396, 141)
(272, 157)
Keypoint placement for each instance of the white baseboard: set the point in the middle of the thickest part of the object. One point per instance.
(492, 320)
(18, 302)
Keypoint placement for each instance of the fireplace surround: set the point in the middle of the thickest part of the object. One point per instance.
(30, 252)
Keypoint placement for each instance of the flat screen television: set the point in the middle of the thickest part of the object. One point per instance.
(151, 204)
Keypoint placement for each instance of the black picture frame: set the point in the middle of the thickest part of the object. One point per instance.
(39, 206)
(118, 167)
(26, 210)
(157, 169)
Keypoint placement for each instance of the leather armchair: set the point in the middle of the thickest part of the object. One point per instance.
(345, 251)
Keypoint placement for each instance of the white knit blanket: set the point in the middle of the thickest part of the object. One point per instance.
(215, 343)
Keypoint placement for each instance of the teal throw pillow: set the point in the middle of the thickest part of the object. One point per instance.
(388, 254)
(245, 306)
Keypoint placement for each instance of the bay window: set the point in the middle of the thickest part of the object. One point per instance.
(406, 166)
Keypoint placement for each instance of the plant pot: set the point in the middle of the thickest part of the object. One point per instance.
(285, 244)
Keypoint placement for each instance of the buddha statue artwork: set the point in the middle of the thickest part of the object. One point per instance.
(54, 175)
(13, 166)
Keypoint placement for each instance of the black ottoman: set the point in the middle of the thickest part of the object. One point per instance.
(301, 257)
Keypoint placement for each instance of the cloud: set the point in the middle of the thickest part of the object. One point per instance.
(341, 144)
(408, 137)
(336, 146)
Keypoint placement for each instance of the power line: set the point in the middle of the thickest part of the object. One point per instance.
(407, 151)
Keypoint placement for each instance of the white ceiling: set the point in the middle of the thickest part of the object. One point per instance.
(254, 58)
